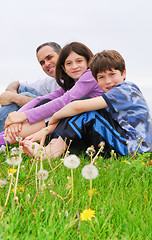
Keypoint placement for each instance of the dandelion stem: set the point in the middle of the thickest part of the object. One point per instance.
(16, 181)
(92, 225)
(31, 168)
(6, 147)
(100, 150)
(36, 175)
(72, 185)
(90, 192)
(9, 190)
(55, 167)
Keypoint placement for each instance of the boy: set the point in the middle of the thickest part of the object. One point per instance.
(120, 117)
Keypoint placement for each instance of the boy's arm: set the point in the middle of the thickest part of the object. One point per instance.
(77, 107)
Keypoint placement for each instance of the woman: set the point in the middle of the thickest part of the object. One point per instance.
(76, 82)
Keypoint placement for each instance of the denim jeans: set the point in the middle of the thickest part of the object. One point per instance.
(5, 110)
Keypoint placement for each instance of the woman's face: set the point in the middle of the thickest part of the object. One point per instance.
(75, 65)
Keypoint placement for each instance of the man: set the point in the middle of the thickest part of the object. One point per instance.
(17, 94)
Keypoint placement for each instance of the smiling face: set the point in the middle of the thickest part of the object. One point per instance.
(110, 78)
(47, 57)
(75, 65)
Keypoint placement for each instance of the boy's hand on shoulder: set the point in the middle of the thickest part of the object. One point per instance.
(53, 120)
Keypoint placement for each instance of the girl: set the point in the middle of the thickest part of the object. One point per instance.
(76, 82)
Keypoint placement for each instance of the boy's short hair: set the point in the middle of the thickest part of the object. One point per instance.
(106, 60)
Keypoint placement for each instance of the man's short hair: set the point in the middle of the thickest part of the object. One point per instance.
(56, 47)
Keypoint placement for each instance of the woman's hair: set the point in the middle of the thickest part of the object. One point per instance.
(62, 78)
(106, 60)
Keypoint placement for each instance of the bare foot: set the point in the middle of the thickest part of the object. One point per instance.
(54, 149)
(33, 149)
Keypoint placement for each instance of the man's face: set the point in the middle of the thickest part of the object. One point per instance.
(47, 57)
(110, 78)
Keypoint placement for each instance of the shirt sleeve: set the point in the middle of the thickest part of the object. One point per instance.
(55, 94)
(84, 87)
(120, 98)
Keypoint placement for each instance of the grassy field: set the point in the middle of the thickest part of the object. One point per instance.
(119, 199)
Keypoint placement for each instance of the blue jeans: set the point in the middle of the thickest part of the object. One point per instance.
(5, 110)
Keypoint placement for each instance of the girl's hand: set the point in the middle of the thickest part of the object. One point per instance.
(15, 117)
(13, 131)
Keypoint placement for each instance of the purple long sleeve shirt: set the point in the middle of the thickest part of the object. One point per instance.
(86, 86)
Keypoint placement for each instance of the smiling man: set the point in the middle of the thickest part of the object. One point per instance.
(19, 93)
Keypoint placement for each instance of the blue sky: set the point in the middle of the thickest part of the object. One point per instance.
(123, 26)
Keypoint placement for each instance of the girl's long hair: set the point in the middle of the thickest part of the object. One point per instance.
(62, 78)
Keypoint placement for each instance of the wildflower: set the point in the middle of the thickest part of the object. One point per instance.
(18, 139)
(66, 213)
(72, 161)
(11, 170)
(28, 196)
(92, 191)
(90, 151)
(3, 148)
(1, 209)
(87, 214)
(22, 189)
(16, 199)
(42, 174)
(2, 183)
(90, 171)
(143, 163)
(14, 160)
(13, 190)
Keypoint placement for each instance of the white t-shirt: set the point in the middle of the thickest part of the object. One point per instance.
(43, 86)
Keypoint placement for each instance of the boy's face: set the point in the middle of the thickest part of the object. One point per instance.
(110, 78)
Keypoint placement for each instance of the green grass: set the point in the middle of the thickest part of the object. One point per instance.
(122, 201)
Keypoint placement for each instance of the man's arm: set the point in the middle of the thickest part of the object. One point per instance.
(13, 87)
(9, 97)
(77, 107)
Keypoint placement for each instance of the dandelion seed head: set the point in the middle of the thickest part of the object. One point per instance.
(14, 160)
(20, 149)
(90, 151)
(72, 161)
(89, 171)
(42, 174)
(101, 144)
(14, 151)
(87, 214)
(3, 182)
(3, 148)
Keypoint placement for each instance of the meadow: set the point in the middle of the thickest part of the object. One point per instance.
(51, 199)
